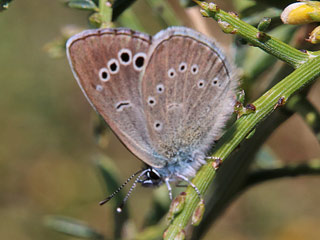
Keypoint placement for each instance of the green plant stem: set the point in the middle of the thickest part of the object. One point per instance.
(269, 44)
(164, 13)
(265, 105)
(229, 181)
(312, 167)
(233, 176)
(105, 12)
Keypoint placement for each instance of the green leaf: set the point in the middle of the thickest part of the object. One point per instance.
(72, 227)
(164, 12)
(255, 17)
(129, 19)
(119, 6)
(153, 232)
(110, 176)
(187, 3)
(159, 207)
(83, 4)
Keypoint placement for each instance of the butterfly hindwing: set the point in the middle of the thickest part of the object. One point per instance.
(187, 92)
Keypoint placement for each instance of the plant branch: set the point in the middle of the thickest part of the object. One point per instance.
(312, 167)
(230, 178)
(307, 111)
(105, 12)
(265, 105)
(232, 24)
(308, 70)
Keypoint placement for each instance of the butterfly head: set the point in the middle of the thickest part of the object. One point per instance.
(148, 177)
(151, 178)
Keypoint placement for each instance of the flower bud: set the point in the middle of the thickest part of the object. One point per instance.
(301, 13)
(314, 37)
(198, 214)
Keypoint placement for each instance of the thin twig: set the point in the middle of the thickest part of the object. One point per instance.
(312, 167)
(307, 111)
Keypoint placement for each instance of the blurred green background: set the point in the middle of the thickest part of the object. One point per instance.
(48, 149)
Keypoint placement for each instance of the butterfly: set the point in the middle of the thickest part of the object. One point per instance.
(166, 97)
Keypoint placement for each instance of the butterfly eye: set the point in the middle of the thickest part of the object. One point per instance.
(113, 66)
(124, 56)
(201, 83)
(182, 67)
(171, 73)
(194, 69)
(138, 61)
(104, 74)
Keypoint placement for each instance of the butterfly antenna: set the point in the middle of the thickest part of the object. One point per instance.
(190, 183)
(115, 192)
(119, 209)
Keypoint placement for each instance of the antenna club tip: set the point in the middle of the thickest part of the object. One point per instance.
(103, 202)
(119, 209)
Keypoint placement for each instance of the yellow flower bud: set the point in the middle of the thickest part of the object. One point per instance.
(314, 37)
(301, 13)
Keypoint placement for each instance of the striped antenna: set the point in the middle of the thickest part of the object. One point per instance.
(115, 192)
(119, 209)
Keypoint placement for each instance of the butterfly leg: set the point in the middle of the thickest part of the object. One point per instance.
(169, 188)
(190, 183)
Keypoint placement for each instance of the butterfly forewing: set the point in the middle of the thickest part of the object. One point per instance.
(107, 65)
(187, 92)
